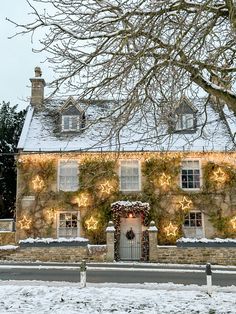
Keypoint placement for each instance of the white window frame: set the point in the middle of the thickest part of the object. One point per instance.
(200, 174)
(185, 121)
(139, 175)
(77, 213)
(59, 186)
(70, 117)
(196, 228)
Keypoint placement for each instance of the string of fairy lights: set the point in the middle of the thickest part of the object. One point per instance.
(219, 176)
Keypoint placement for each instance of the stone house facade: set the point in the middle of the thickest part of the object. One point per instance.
(68, 186)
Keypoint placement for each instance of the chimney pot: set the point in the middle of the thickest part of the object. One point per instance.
(38, 72)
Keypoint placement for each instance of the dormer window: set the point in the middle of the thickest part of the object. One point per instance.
(72, 117)
(185, 121)
(70, 123)
(185, 117)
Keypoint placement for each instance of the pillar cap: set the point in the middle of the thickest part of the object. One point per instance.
(152, 227)
(110, 227)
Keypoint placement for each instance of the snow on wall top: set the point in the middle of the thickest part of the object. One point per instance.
(41, 133)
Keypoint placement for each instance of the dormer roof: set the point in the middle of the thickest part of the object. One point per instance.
(71, 107)
(42, 131)
(185, 106)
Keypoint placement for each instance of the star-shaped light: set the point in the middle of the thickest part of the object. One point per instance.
(91, 223)
(38, 183)
(219, 176)
(106, 187)
(25, 223)
(82, 200)
(171, 230)
(51, 212)
(233, 222)
(185, 204)
(164, 180)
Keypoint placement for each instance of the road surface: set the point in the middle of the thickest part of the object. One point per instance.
(118, 273)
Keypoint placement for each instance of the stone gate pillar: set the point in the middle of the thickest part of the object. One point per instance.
(152, 232)
(110, 231)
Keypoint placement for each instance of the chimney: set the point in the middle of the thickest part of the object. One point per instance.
(37, 88)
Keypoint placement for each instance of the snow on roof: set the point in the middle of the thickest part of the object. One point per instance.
(25, 130)
(41, 132)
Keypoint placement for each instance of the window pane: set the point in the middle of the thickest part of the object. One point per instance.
(193, 219)
(70, 123)
(190, 174)
(74, 123)
(129, 175)
(68, 225)
(66, 122)
(188, 121)
(68, 176)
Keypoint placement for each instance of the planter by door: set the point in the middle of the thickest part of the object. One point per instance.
(130, 239)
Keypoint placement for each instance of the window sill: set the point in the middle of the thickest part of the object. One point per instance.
(191, 190)
(131, 191)
(188, 227)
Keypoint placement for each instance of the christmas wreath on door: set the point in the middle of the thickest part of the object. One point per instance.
(130, 235)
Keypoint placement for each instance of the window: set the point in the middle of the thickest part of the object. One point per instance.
(70, 123)
(193, 219)
(68, 175)
(129, 175)
(68, 224)
(185, 121)
(190, 174)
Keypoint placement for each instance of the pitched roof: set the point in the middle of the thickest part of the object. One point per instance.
(41, 131)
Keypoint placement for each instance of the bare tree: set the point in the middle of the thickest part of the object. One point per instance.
(143, 53)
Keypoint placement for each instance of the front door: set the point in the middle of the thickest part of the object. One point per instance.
(130, 238)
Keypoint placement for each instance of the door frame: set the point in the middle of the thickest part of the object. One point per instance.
(125, 209)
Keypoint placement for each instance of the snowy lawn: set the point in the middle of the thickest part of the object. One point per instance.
(39, 297)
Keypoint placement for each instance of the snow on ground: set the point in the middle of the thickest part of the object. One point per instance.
(67, 298)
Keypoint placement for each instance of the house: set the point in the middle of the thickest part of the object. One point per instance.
(71, 179)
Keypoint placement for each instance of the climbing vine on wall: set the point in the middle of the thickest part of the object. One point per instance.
(99, 187)
(219, 185)
(99, 180)
(43, 170)
(160, 186)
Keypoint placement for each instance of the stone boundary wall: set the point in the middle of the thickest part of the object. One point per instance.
(5, 254)
(162, 254)
(55, 254)
(194, 255)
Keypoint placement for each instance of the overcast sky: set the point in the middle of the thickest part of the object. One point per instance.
(17, 61)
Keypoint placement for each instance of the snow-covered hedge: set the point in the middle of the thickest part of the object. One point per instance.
(8, 247)
(204, 242)
(54, 242)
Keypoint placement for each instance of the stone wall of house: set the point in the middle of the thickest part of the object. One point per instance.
(7, 238)
(195, 255)
(35, 206)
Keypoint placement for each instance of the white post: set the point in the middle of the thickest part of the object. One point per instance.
(209, 278)
(83, 274)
